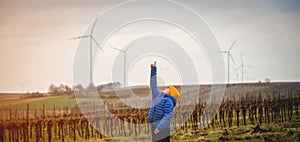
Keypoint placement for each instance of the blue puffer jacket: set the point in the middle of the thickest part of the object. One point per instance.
(162, 106)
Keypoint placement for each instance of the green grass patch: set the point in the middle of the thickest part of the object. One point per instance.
(58, 102)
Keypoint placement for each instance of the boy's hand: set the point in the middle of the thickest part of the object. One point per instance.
(153, 65)
(156, 131)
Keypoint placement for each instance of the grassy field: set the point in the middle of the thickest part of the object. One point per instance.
(37, 103)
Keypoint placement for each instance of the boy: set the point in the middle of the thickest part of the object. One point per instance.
(162, 108)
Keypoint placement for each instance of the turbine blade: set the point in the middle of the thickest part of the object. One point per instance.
(231, 58)
(117, 49)
(97, 43)
(94, 24)
(232, 45)
(85, 36)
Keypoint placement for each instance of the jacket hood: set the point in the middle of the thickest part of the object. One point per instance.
(174, 100)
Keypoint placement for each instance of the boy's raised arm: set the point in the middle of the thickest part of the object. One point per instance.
(153, 81)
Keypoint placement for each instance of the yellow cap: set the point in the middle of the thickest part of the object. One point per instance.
(174, 92)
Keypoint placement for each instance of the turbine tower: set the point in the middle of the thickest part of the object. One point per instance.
(229, 56)
(242, 67)
(92, 39)
(124, 51)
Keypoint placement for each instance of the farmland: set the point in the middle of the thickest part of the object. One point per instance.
(37, 103)
(255, 112)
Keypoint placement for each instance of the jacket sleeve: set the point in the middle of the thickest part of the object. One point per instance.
(153, 82)
(168, 114)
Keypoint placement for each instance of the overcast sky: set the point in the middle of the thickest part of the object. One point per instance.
(35, 49)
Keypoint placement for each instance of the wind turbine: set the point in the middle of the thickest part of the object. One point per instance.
(229, 56)
(124, 51)
(92, 39)
(242, 66)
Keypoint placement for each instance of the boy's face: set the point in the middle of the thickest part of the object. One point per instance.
(167, 90)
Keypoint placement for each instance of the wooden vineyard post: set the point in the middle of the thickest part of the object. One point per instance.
(237, 105)
(260, 108)
(229, 114)
(49, 129)
(64, 118)
(27, 123)
(291, 103)
(251, 114)
(135, 123)
(220, 116)
(61, 129)
(200, 113)
(37, 130)
(282, 108)
(254, 100)
(118, 123)
(74, 128)
(79, 127)
(267, 115)
(277, 109)
(43, 121)
(55, 122)
(244, 110)
(214, 120)
(2, 131)
(129, 125)
(250, 108)
(194, 118)
(297, 105)
(10, 127)
(272, 103)
(123, 125)
(87, 132)
(111, 125)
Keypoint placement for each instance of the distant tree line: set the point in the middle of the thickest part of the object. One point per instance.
(66, 90)
(60, 90)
